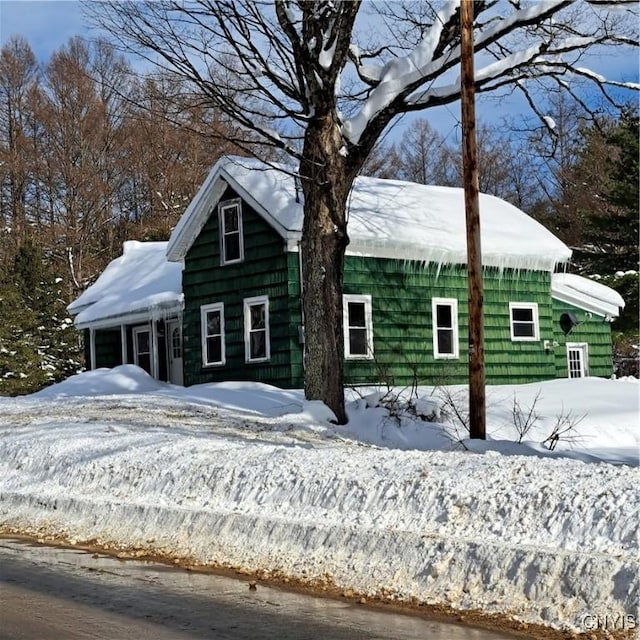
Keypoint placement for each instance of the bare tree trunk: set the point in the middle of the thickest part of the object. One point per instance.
(325, 185)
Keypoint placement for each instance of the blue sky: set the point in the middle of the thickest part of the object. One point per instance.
(48, 24)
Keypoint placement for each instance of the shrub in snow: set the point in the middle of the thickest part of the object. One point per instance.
(405, 403)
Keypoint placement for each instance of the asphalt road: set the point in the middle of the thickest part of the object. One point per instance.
(61, 594)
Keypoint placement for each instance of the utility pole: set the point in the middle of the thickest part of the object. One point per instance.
(477, 412)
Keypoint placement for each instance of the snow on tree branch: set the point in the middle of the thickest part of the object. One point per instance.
(414, 81)
(275, 66)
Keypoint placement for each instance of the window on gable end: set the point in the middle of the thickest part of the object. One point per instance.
(358, 327)
(231, 237)
(445, 327)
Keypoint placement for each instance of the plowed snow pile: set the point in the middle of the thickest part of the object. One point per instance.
(230, 474)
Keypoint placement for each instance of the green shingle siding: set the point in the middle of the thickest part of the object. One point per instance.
(401, 294)
(593, 330)
(264, 272)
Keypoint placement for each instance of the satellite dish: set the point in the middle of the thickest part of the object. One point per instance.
(567, 322)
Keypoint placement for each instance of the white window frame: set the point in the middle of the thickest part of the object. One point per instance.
(248, 303)
(453, 303)
(222, 207)
(533, 306)
(584, 348)
(368, 321)
(134, 338)
(204, 309)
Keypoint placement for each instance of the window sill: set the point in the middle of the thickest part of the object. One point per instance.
(231, 262)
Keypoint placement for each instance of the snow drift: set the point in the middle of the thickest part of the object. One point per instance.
(544, 540)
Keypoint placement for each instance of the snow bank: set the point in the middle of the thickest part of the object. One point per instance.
(126, 378)
(181, 472)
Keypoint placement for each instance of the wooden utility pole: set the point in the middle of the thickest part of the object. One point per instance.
(477, 413)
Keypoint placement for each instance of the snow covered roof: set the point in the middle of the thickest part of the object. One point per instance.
(387, 218)
(141, 282)
(586, 294)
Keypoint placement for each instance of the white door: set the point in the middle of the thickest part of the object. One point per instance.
(174, 352)
(577, 360)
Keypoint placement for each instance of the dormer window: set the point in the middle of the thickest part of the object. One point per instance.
(231, 241)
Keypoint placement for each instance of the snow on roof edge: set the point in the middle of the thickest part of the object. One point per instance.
(143, 313)
(586, 294)
(195, 215)
(223, 174)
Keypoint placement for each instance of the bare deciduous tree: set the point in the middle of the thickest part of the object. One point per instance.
(291, 72)
(18, 78)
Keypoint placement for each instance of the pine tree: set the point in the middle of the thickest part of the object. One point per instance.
(606, 191)
(606, 184)
(38, 344)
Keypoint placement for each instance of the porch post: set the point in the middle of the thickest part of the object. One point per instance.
(155, 372)
(92, 348)
(123, 343)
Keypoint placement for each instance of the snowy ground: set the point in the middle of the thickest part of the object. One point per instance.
(246, 475)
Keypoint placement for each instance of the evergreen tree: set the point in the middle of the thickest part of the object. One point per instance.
(38, 345)
(606, 190)
(606, 200)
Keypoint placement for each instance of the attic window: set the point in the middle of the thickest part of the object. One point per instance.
(231, 240)
(524, 321)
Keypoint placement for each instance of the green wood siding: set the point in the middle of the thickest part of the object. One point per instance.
(401, 295)
(108, 348)
(593, 330)
(264, 272)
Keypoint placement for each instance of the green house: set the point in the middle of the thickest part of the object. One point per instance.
(237, 315)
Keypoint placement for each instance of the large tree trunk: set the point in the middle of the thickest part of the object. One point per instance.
(326, 186)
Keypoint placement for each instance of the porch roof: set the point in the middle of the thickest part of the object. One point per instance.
(139, 285)
(586, 294)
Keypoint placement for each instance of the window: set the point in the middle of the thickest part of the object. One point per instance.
(231, 244)
(212, 328)
(524, 321)
(142, 348)
(358, 327)
(445, 327)
(176, 343)
(256, 329)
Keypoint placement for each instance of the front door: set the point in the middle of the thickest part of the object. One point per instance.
(174, 352)
(577, 360)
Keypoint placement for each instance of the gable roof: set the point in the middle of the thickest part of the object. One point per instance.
(140, 284)
(586, 294)
(387, 218)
